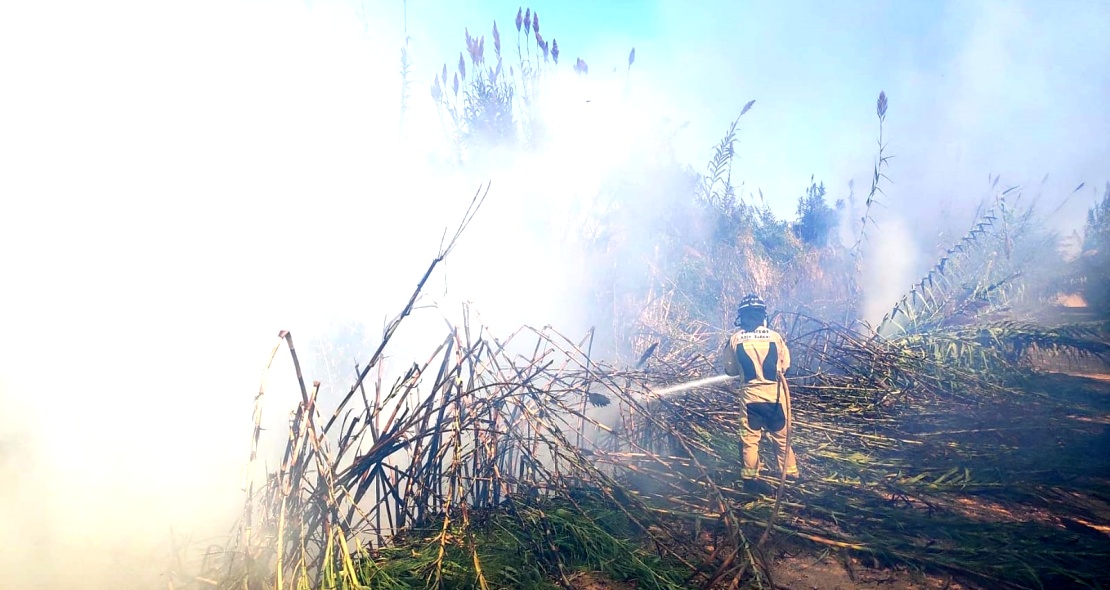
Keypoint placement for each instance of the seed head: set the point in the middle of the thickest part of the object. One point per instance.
(536, 21)
(581, 67)
(631, 57)
(455, 86)
(555, 50)
(471, 47)
(880, 107)
(527, 20)
(462, 66)
(539, 40)
(543, 46)
(518, 17)
(437, 90)
(496, 40)
(481, 49)
(444, 74)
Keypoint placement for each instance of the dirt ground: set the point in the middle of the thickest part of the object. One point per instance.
(799, 565)
(809, 570)
(592, 581)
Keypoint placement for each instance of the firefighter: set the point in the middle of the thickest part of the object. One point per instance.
(759, 356)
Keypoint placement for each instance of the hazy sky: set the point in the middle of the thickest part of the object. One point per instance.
(975, 87)
(180, 181)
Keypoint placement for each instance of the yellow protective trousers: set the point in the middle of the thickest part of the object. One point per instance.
(774, 419)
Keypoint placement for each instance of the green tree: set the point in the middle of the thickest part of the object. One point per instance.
(816, 219)
(1095, 259)
(773, 234)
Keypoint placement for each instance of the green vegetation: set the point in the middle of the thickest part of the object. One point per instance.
(1095, 257)
(530, 544)
(816, 220)
(492, 103)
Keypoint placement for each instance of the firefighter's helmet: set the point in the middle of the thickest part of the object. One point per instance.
(751, 304)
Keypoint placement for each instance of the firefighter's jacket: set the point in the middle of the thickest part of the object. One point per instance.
(758, 357)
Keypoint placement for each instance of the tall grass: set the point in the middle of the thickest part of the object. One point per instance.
(491, 102)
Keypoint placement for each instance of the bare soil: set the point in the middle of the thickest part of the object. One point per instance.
(594, 581)
(799, 566)
(1080, 437)
(839, 571)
